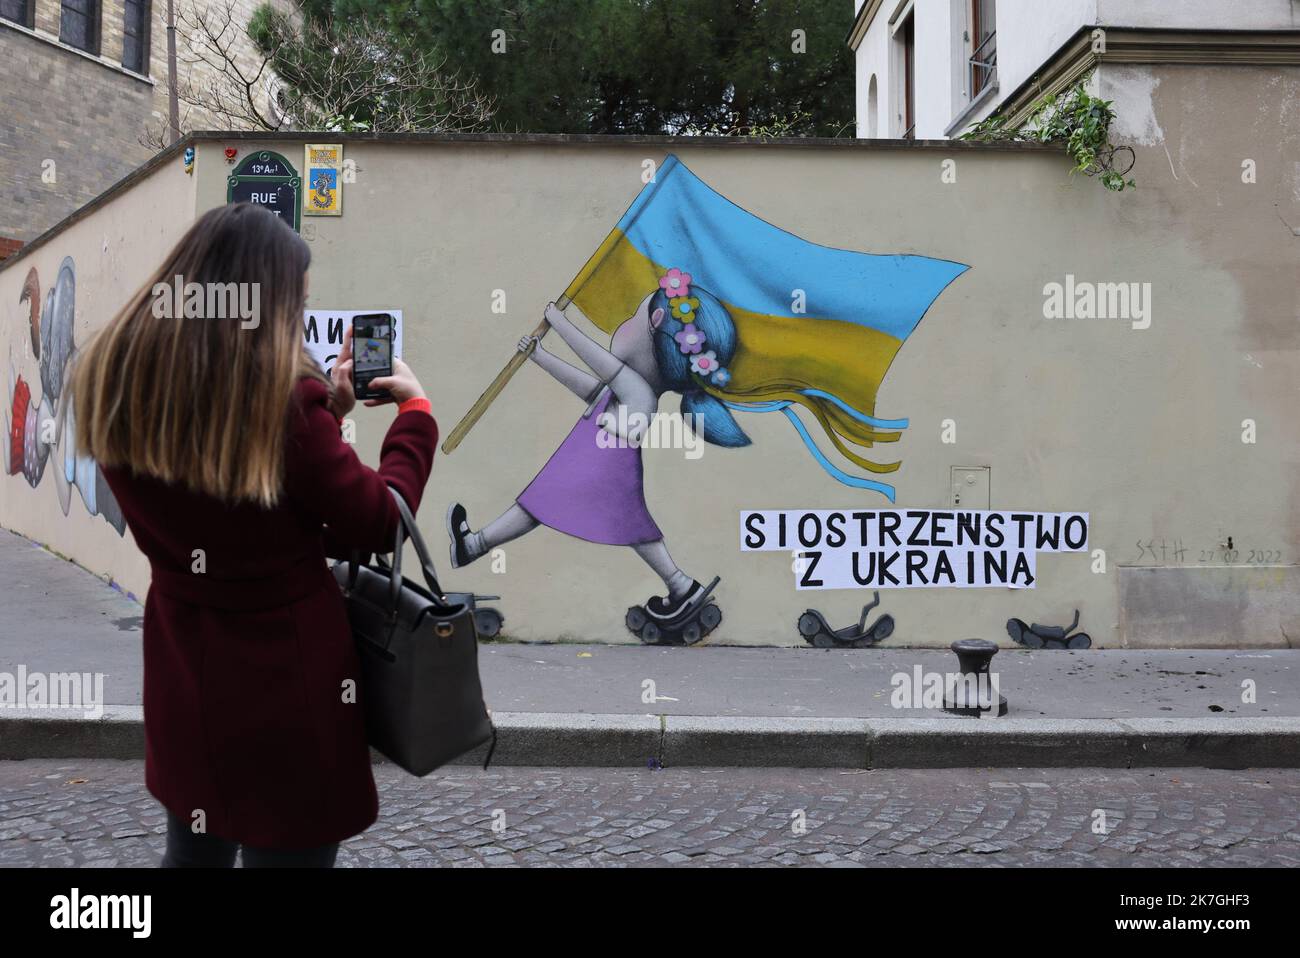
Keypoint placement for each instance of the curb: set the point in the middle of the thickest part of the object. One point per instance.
(557, 739)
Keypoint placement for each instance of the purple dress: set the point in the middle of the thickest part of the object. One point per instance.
(591, 492)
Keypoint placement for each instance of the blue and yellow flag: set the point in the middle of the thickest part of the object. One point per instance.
(816, 326)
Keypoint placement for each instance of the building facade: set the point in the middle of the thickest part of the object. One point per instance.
(930, 69)
(86, 96)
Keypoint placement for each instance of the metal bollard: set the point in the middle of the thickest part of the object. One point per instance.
(972, 694)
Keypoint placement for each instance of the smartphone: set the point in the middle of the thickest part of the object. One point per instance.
(372, 353)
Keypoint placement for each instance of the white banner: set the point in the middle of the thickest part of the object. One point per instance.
(913, 548)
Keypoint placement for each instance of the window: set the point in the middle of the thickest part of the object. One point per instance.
(984, 47)
(907, 39)
(79, 25)
(135, 36)
(19, 11)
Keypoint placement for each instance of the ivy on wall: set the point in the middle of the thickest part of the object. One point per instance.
(1076, 119)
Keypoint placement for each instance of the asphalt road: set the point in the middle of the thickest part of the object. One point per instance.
(96, 813)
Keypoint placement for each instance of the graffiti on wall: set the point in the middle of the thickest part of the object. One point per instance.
(40, 431)
(735, 316)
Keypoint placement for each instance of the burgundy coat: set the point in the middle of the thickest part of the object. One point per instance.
(245, 663)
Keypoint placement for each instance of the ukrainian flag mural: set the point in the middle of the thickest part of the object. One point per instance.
(814, 327)
(707, 301)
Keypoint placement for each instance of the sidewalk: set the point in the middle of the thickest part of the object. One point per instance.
(564, 704)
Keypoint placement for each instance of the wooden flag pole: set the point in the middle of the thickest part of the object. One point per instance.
(594, 262)
(481, 404)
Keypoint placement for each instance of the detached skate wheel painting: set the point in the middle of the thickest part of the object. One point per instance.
(488, 622)
(1037, 636)
(817, 632)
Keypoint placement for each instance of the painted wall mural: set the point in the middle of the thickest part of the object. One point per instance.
(734, 315)
(39, 431)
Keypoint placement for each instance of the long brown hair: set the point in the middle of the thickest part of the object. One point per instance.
(179, 390)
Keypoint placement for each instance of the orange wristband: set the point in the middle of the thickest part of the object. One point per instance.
(418, 404)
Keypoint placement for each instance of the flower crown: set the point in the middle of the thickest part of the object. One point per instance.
(691, 339)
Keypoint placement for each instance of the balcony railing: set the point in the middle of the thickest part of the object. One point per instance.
(984, 64)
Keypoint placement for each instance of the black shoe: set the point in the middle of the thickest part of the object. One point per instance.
(666, 608)
(457, 530)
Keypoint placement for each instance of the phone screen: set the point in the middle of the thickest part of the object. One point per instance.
(372, 352)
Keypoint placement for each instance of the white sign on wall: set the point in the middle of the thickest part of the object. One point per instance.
(323, 332)
(913, 548)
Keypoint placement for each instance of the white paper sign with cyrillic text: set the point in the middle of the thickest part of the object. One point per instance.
(322, 332)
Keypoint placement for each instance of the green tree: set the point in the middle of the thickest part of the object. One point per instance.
(627, 66)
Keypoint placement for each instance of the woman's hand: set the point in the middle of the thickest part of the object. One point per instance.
(343, 398)
(401, 385)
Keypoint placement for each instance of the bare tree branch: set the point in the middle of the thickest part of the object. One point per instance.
(331, 75)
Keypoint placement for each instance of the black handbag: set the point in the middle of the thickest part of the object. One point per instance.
(420, 685)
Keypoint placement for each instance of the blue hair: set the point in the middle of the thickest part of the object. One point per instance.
(717, 424)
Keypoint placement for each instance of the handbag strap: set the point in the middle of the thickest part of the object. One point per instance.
(407, 525)
(406, 528)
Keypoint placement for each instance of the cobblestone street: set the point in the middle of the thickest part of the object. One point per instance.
(98, 814)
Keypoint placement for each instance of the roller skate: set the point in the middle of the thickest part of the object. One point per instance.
(818, 633)
(684, 622)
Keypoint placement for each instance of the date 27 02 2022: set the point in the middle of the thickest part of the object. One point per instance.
(1172, 552)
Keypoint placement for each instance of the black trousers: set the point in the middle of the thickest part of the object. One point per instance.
(185, 849)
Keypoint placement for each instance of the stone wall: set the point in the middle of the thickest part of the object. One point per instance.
(72, 123)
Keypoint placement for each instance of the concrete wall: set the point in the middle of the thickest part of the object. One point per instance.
(1142, 428)
(1197, 133)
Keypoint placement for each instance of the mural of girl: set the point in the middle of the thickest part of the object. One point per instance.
(679, 340)
(41, 431)
(740, 315)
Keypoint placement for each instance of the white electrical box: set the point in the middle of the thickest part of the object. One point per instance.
(970, 487)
